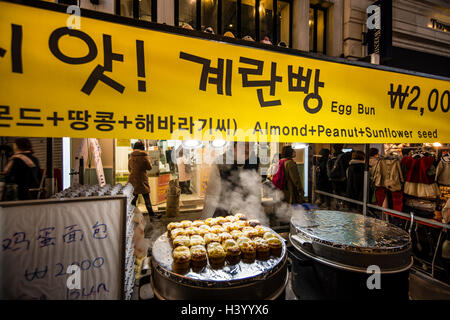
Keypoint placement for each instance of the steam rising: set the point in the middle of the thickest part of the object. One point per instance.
(242, 193)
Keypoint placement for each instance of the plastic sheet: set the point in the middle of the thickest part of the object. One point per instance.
(350, 231)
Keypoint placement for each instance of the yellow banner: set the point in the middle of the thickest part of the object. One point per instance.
(109, 80)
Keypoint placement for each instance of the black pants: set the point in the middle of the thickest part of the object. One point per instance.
(148, 203)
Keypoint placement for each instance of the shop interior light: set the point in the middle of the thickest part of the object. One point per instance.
(298, 145)
(192, 144)
(261, 9)
(219, 143)
(437, 144)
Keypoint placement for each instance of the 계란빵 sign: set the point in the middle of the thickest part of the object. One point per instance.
(110, 80)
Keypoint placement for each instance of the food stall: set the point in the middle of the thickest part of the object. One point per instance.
(163, 83)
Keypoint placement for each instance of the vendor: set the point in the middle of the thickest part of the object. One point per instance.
(234, 183)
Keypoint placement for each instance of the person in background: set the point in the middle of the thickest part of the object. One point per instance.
(184, 172)
(337, 172)
(355, 176)
(337, 169)
(322, 181)
(293, 189)
(234, 174)
(23, 169)
(273, 168)
(138, 164)
(169, 159)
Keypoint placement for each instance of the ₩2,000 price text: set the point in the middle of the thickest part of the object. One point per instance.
(437, 101)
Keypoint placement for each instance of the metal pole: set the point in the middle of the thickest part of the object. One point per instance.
(313, 178)
(366, 180)
(49, 181)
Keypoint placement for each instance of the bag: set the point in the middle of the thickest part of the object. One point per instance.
(279, 179)
(335, 168)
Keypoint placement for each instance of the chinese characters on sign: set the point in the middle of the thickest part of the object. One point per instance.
(47, 237)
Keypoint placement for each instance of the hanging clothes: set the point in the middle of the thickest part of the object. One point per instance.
(388, 179)
(443, 171)
(388, 174)
(396, 196)
(420, 177)
(417, 169)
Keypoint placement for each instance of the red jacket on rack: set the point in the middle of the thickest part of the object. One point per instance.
(416, 169)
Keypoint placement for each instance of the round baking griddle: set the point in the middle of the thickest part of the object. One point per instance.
(351, 240)
(259, 279)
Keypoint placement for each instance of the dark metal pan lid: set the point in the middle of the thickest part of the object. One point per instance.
(350, 240)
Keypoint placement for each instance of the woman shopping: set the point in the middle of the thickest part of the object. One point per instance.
(138, 164)
(293, 187)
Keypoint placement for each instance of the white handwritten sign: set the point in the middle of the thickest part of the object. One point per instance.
(41, 240)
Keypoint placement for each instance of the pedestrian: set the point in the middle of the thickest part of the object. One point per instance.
(293, 187)
(355, 176)
(322, 181)
(138, 164)
(337, 172)
(184, 171)
(23, 169)
(273, 168)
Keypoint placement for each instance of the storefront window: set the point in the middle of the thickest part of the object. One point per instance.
(248, 18)
(126, 8)
(317, 29)
(145, 10)
(266, 19)
(242, 18)
(283, 22)
(187, 12)
(229, 16)
(320, 31)
(311, 29)
(138, 9)
(209, 14)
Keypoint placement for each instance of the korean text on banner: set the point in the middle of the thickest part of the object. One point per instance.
(111, 80)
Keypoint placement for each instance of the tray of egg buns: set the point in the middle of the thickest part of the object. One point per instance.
(218, 250)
